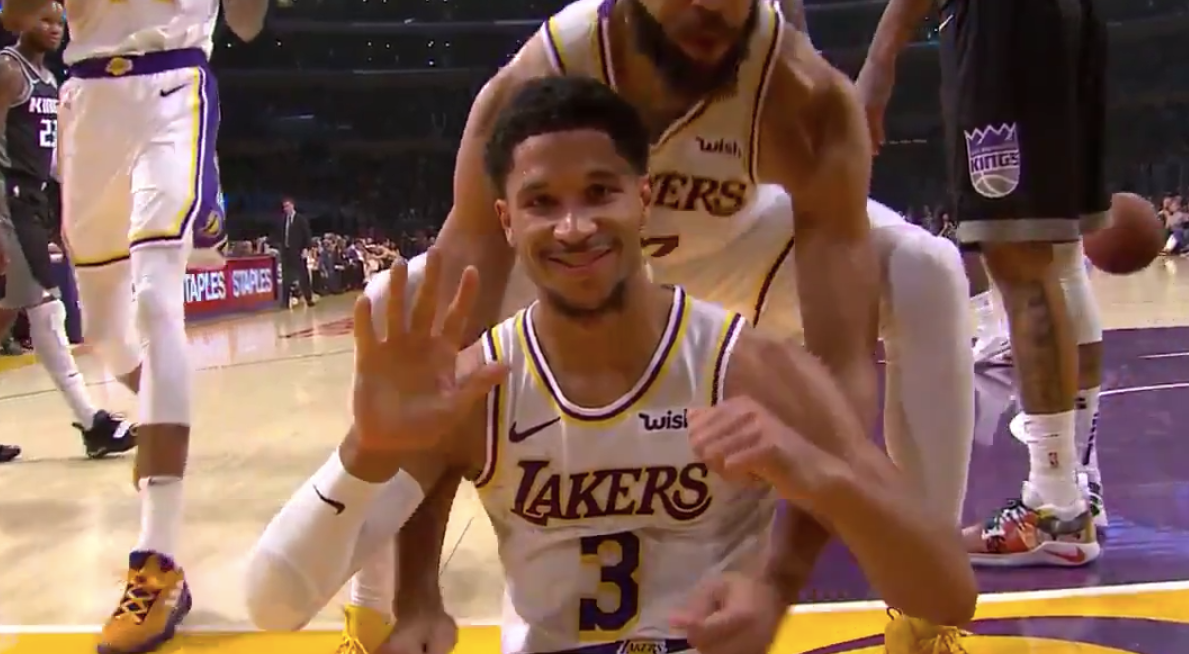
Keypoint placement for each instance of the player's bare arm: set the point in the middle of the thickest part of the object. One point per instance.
(896, 29)
(821, 156)
(794, 12)
(245, 17)
(471, 235)
(12, 86)
(792, 425)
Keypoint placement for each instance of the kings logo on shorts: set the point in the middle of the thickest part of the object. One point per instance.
(993, 155)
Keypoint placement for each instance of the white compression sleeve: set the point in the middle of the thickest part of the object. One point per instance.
(316, 542)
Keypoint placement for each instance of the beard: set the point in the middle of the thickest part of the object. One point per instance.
(613, 303)
(680, 72)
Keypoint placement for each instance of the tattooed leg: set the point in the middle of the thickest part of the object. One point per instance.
(1045, 348)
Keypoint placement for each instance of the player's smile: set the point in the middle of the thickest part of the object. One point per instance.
(588, 261)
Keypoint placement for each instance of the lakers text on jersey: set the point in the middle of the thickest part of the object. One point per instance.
(605, 518)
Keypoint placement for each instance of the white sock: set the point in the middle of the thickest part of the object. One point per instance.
(374, 586)
(929, 423)
(1053, 458)
(47, 330)
(160, 515)
(1086, 427)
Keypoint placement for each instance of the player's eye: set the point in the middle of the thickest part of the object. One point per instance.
(600, 192)
(540, 202)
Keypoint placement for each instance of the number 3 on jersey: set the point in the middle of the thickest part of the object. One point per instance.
(47, 136)
(618, 588)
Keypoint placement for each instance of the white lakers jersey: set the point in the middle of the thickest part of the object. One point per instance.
(101, 28)
(606, 521)
(704, 166)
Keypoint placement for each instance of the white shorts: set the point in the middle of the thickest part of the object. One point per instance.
(137, 154)
(754, 274)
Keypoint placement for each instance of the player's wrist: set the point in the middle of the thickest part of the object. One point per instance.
(364, 463)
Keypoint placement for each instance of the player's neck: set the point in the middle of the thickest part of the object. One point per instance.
(35, 57)
(615, 340)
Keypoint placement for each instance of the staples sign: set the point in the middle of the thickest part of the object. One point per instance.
(244, 284)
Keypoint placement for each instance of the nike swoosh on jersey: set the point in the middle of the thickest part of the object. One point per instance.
(515, 436)
(338, 506)
(165, 93)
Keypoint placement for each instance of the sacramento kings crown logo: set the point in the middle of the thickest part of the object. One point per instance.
(993, 155)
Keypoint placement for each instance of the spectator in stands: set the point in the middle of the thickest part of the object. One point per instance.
(1176, 222)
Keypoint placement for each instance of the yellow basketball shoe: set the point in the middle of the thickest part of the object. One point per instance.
(907, 635)
(156, 599)
(364, 630)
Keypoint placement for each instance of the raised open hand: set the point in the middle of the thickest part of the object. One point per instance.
(409, 391)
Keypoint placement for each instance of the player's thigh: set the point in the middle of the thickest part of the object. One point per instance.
(97, 143)
(174, 178)
(1009, 74)
(29, 277)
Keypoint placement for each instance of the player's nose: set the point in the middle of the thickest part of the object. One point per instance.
(574, 228)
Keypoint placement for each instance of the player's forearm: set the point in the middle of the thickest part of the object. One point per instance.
(245, 17)
(796, 543)
(896, 29)
(494, 263)
(895, 539)
(839, 286)
(420, 551)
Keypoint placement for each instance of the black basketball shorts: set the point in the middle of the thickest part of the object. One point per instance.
(1024, 103)
(24, 235)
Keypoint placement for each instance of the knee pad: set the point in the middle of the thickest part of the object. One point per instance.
(377, 290)
(924, 272)
(158, 279)
(46, 319)
(107, 315)
(278, 597)
(1079, 297)
(157, 297)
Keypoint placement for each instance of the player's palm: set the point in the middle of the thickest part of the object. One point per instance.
(407, 393)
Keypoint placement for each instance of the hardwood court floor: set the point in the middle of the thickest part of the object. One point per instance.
(271, 404)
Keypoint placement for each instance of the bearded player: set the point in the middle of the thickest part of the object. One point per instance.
(29, 123)
(605, 372)
(139, 117)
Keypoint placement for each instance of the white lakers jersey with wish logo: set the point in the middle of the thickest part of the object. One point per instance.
(105, 27)
(704, 166)
(606, 521)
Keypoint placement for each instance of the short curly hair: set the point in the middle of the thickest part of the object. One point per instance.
(561, 104)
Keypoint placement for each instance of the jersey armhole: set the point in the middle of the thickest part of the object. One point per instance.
(492, 353)
(28, 92)
(771, 57)
(724, 347)
(553, 47)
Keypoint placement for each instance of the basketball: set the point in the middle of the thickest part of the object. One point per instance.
(1131, 241)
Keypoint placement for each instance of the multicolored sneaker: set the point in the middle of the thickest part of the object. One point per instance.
(364, 630)
(1019, 535)
(1090, 483)
(907, 635)
(155, 601)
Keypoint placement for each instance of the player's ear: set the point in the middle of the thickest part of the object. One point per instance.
(501, 210)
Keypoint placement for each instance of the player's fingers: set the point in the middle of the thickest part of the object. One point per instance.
(478, 384)
(364, 333)
(459, 311)
(699, 606)
(425, 302)
(394, 312)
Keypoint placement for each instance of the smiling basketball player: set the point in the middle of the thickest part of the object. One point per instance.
(615, 421)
